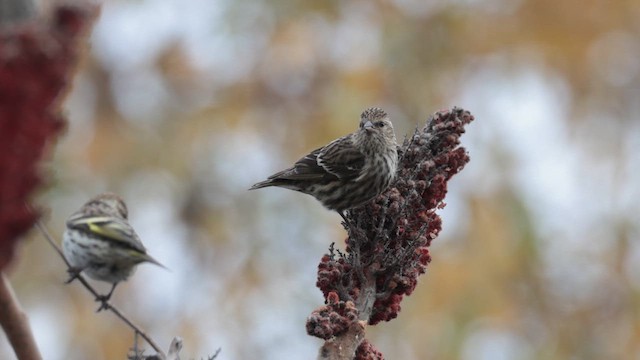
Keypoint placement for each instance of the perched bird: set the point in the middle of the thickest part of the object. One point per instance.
(99, 241)
(348, 171)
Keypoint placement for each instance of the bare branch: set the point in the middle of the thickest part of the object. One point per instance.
(15, 323)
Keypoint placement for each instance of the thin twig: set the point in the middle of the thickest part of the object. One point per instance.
(212, 357)
(86, 284)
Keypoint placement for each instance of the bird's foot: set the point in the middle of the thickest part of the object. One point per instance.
(74, 273)
(104, 299)
(104, 302)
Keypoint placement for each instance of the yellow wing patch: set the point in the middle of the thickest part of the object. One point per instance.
(105, 226)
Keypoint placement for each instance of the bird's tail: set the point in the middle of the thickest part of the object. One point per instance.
(149, 258)
(261, 184)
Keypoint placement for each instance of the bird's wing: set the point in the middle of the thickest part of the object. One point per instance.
(341, 159)
(306, 168)
(108, 227)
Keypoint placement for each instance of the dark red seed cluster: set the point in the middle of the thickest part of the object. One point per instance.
(366, 351)
(387, 247)
(332, 319)
(36, 61)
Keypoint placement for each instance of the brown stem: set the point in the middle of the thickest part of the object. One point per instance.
(15, 323)
(343, 347)
(110, 307)
(368, 291)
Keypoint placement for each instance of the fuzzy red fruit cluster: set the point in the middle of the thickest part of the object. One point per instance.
(388, 244)
(366, 351)
(37, 59)
(332, 319)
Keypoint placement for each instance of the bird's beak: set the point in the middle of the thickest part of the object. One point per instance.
(368, 126)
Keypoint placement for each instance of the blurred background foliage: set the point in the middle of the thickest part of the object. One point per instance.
(180, 106)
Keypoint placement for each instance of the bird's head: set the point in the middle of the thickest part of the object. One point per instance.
(375, 122)
(107, 203)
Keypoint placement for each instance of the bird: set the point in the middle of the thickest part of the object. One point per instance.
(100, 242)
(349, 171)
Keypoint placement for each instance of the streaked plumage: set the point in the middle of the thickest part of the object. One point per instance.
(100, 242)
(349, 171)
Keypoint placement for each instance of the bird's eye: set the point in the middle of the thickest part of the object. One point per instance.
(380, 124)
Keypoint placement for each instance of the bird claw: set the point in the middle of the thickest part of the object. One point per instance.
(74, 273)
(104, 299)
(104, 302)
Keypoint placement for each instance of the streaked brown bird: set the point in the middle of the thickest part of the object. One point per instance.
(348, 171)
(100, 242)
